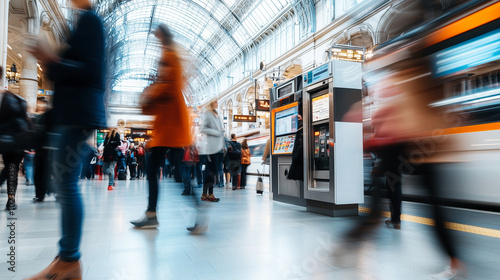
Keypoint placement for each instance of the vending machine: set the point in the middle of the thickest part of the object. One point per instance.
(285, 124)
(333, 146)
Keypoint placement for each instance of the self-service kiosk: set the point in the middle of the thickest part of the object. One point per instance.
(333, 147)
(285, 101)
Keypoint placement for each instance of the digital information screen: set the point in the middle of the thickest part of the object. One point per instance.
(284, 144)
(285, 90)
(469, 54)
(286, 121)
(320, 108)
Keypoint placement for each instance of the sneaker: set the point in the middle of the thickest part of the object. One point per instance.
(212, 198)
(204, 196)
(11, 204)
(146, 222)
(198, 229)
(389, 223)
(110, 188)
(37, 200)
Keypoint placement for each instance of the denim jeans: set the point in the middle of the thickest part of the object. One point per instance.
(28, 166)
(72, 149)
(109, 168)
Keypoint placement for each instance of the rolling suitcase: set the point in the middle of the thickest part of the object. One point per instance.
(260, 184)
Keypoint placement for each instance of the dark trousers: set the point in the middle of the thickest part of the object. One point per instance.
(430, 179)
(132, 168)
(211, 171)
(197, 170)
(9, 173)
(42, 173)
(156, 161)
(234, 169)
(391, 159)
(186, 177)
(141, 169)
(244, 175)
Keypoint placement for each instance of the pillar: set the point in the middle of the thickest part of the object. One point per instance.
(4, 30)
(245, 111)
(28, 81)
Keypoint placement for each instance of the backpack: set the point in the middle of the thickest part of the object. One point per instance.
(140, 152)
(234, 151)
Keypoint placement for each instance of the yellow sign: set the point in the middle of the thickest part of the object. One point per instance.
(244, 118)
(346, 54)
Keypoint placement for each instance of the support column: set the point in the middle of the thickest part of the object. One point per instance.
(28, 81)
(246, 111)
(4, 28)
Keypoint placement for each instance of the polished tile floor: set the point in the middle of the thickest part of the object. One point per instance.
(250, 237)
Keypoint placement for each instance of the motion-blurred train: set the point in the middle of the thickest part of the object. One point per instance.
(463, 50)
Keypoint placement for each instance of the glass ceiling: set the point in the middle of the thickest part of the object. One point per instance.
(213, 32)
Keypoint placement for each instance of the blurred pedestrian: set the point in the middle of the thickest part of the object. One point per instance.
(164, 100)
(78, 75)
(110, 156)
(141, 161)
(214, 131)
(245, 162)
(234, 154)
(188, 161)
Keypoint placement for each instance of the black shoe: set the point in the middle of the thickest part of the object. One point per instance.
(37, 200)
(198, 229)
(11, 204)
(186, 193)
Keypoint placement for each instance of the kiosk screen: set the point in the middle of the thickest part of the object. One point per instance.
(320, 109)
(284, 144)
(286, 121)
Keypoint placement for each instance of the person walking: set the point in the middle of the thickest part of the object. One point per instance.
(234, 154)
(245, 162)
(141, 161)
(78, 75)
(164, 100)
(110, 156)
(214, 131)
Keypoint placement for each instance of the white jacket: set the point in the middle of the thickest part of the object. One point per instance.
(212, 127)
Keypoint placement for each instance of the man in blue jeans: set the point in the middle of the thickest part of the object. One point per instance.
(78, 109)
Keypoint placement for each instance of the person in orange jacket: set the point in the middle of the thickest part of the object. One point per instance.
(172, 126)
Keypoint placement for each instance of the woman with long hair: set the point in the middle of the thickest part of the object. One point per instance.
(245, 162)
(172, 126)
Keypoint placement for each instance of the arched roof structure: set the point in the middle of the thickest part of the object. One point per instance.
(213, 32)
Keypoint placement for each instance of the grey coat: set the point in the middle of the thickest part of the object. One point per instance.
(214, 130)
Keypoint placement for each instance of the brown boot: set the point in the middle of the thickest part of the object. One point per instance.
(60, 270)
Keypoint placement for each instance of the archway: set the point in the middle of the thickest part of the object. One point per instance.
(292, 71)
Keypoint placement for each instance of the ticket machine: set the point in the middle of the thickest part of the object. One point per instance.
(285, 102)
(333, 147)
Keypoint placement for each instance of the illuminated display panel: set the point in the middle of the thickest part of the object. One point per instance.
(347, 54)
(469, 54)
(285, 90)
(286, 121)
(320, 108)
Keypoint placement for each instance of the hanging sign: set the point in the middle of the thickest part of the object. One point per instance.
(262, 105)
(244, 118)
